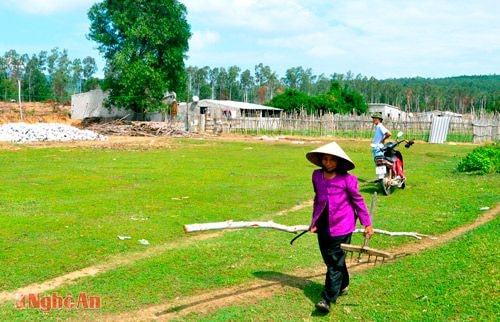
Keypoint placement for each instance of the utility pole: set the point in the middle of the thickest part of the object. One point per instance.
(19, 98)
(187, 103)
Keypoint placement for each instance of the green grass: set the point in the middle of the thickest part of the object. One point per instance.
(62, 208)
(455, 282)
(452, 136)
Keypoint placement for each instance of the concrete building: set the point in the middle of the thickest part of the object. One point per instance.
(91, 104)
(203, 115)
(388, 111)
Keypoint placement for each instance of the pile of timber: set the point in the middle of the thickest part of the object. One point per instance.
(135, 128)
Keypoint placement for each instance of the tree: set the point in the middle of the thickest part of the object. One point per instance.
(144, 43)
(213, 75)
(77, 75)
(272, 83)
(291, 79)
(198, 81)
(59, 71)
(89, 69)
(13, 66)
(246, 83)
(233, 73)
(291, 100)
(222, 82)
(205, 88)
(36, 85)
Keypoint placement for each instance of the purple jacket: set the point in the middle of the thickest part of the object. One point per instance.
(344, 202)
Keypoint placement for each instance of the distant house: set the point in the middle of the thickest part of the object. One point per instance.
(428, 116)
(202, 115)
(388, 111)
(206, 113)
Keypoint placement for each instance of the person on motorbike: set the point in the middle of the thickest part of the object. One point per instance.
(379, 136)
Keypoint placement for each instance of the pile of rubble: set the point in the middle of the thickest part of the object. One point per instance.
(93, 130)
(136, 128)
(36, 132)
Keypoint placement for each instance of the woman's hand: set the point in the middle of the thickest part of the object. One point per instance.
(368, 231)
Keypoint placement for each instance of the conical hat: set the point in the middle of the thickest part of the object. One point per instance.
(333, 149)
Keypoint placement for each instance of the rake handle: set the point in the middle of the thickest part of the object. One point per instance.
(372, 212)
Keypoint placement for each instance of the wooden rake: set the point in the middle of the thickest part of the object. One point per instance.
(351, 249)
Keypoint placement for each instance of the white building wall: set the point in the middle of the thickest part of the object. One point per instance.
(90, 104)
(388, 111)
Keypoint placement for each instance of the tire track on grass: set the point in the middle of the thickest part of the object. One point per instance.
(119, 261)
(254, 292)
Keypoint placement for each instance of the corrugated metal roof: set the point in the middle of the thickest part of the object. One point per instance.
(235, 105)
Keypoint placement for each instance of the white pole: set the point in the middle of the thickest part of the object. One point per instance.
(19, 98)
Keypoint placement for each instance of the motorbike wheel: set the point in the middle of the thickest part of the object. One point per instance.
(385, 182)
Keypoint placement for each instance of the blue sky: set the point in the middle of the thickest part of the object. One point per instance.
(379, 38)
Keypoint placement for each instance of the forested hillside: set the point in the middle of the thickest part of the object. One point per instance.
(55, 76)
(458, 94)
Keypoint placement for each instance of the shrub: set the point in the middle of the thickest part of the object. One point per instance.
(482, 160)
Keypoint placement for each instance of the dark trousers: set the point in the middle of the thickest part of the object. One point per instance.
(337, 276)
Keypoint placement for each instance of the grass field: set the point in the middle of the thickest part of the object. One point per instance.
(62, 208)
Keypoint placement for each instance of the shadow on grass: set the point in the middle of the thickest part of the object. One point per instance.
(311, 289)
(370, 187)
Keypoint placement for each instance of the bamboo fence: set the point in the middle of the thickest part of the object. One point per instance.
(471, 129)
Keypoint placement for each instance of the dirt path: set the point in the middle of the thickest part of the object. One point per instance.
(121, 260)
(112, 263)
(211, 301)
(256, 291)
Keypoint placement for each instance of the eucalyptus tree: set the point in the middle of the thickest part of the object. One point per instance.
(300, 79)
(77, 75)
(14, 64)
(246, 83)
(59, 70)
(192, 85)
(202, 77)
(5, 83)
(144, 43)
(233, 73)
(89, 69)
(321, 85)
(222, 82)
(213, 75)
(291, 78)
(272, 83)
(306, 80)
(37, 85)
(198, 81)
(263, 75)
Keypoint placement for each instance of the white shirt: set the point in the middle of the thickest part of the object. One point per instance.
(379, 135)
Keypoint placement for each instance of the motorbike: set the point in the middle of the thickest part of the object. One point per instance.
(389, 168)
